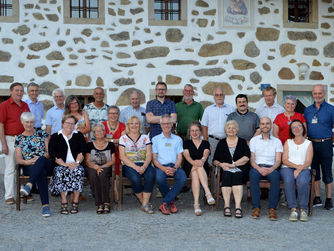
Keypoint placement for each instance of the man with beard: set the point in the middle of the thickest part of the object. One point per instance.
(248, 121)
(157, 107)
(188, 111)
(266, 154)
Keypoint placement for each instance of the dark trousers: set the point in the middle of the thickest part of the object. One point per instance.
(38, 175)
(100, 185)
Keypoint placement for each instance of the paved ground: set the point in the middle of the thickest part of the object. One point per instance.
(131, 229)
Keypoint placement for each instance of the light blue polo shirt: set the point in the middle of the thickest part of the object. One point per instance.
(167, 148)
(38, 110)
(53, 118)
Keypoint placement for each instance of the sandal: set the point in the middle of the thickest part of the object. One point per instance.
(211, 201)
(64, 209)
(100, 209)
(75, 208)
(197, 210)
(238, 213)
(147, 208)
(106, 208)
(227, 212)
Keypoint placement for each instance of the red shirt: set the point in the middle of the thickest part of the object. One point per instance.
(283, 124)
(10, 114)
(116, 135)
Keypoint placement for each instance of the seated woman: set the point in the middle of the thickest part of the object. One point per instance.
(196, 153)
(135, 151)
(31, 151)
(67, 148)
(297, 158)
(232, 155)
(100, 157)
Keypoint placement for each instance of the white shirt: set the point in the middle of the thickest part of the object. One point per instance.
(214, 117)
(297, 153)
(265, 149)
(271, 112)
(69, 156)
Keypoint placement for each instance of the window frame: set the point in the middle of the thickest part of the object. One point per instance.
(15, 18)
(83, 93)
(312, 24)
(182, 22)
(69, 20)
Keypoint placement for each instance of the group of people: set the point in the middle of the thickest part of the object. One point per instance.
(273, 143)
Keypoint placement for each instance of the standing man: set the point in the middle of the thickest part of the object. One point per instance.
(266, 154)
(10, 126)
(320, 122)
(35, 106)
(167, 150)
(248, 121)
(214, 119)
(157, 107)
(270, 109)
(134, 109)
(97, 110)
(54, 114)
(188, 111)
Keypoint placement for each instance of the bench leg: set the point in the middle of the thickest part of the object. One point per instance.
(218, 190)
(18, 185)
(120, 193)
(310, 204)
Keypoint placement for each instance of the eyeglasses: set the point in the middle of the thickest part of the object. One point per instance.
(297, 126)
(113, 113)
(219, 95)
(164, 124)
(58, 96)
(69, 123)
(74, 103)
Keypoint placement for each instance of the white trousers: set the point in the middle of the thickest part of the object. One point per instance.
(9, 174)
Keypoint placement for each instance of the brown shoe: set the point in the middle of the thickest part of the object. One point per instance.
(10, 201)
(256, 213)
(272, 214)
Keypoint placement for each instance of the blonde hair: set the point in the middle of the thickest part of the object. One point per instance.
(127, 127)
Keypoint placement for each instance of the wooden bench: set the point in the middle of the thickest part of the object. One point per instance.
(22, 180)
(266, 184)
(123, 181)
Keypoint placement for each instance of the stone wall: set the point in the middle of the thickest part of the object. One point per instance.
(126, 52)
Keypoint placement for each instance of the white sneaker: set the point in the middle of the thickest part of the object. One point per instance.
(293, 216)
(303, 215)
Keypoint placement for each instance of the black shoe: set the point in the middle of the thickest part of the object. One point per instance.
(329, 204)
(317, 202)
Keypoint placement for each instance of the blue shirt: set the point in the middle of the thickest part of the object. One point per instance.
(53, 118)
(167, 148)
(319, 122)
(158, 109)
(129, 111)
(38, 110)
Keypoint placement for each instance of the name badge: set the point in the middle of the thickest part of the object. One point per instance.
(168, 144)
(314, 120)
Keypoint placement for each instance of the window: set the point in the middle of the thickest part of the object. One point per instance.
(167, 12)
(85, 96)
(9, 11)
(84, 11)
(300, 13)
(167, 9)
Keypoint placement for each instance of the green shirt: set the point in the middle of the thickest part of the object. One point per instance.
(187, 114)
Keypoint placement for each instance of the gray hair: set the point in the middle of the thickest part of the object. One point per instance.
(32, 84)
(218, 88)
(99, 125)
(27, 116)
(134, 92)
(290, 97)
(188, 85)
(232, 122)
(114, 107)
(166, 116)
(57, 90)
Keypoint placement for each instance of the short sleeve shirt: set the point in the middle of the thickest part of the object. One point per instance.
(135, 149)
(187, 114)
(265, 149)
(248, 123)
(53, 118)
(100, 157)
(33, 145)
(167, 148)
(38, 110)
(96, 115)
(129, 111)
(158, 109)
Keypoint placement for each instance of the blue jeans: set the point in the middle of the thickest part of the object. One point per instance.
(323, 156)
(169, 194)
(274, 179)
(135, 178)
(38, 174)
(302, 181)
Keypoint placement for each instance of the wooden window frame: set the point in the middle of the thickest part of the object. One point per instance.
(84, 20)
(15, 17)
(313, 19)
(181, 22)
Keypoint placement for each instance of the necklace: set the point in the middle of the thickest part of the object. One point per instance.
(111, 128)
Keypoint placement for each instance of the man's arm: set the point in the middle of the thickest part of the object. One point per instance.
(150, 118)
(178, 161)
(157, 163)
(174, 117)
(3, 139)
(278, 161)
(205, 132)
(48, 130)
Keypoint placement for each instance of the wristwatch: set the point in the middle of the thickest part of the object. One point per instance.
(78, 162)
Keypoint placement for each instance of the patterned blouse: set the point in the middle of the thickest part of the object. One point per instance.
(32, 145)
(135, 149)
